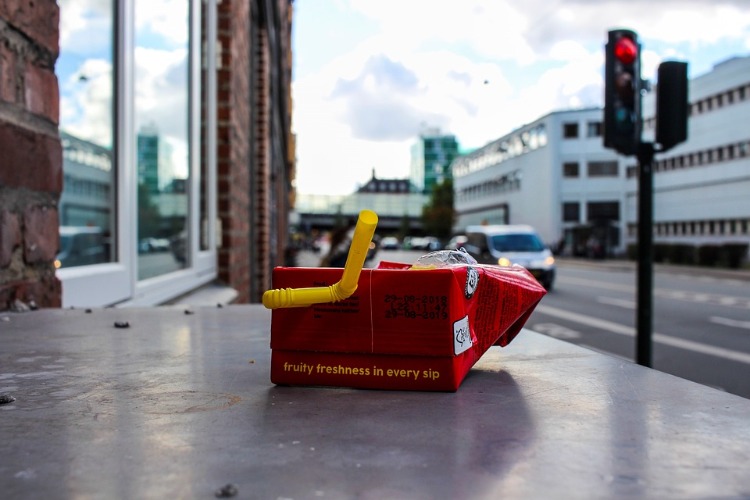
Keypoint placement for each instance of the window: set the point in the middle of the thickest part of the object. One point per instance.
(163, 141)
(602, 169)
(570, 169)
(603, 210)
(570, 130)
(571, 211)
(594, 129)
(85, 73)
(139, 150)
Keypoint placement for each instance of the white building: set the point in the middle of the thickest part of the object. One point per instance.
(554, 174)
(702, 186)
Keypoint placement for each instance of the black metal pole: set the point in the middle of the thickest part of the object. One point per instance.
(644, 320)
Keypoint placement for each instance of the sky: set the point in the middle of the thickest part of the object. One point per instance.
(369, 76)
(84, 70)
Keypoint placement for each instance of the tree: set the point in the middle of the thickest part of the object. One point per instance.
(438, 216)
(404, 229)
(148, 214)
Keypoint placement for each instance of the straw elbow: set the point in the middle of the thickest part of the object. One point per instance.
(341, 292)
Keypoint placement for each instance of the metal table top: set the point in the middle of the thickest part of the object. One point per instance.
(180, 405)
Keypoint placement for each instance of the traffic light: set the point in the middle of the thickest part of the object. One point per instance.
(672, 104)
(622, 92)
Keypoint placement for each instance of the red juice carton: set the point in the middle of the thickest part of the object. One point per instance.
(402, 328)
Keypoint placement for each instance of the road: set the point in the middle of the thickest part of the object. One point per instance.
(701, 328)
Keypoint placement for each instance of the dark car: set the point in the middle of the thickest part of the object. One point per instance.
(81, 246)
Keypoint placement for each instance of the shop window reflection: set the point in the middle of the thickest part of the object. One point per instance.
(161, 120)
(84, 68)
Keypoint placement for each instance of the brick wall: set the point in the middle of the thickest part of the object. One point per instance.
(30, 154)
(233, 156)
(262, 170)
(254, 183)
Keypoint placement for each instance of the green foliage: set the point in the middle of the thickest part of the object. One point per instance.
(439, 216)
(404, 229)
(148, 214)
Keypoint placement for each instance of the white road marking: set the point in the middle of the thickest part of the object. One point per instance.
(627, 304)
(667, 293)
(598, 284)
(613, 327)
(557, 331)
(730, 322)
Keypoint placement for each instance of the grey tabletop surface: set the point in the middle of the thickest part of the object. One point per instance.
(180, 405)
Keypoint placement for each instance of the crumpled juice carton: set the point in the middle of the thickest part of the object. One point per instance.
(404, 327)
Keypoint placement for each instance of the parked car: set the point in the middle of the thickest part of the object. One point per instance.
(427, 243)
(390, 243)
(81, 246)
(152, 245)
(456, 242)
(505, 245)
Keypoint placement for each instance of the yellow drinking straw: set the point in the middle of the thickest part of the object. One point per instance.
(299, 297)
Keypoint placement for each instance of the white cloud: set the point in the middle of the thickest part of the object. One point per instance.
(161, 97)
(86, 102)
(85, 25)
(163, 18)
(476, 69)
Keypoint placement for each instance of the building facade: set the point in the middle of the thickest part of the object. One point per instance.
(702, 186)
(431, 157)
(207, 192)
(583, 199)
(553, 174)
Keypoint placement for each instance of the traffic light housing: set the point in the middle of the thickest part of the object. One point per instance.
(622, 92)
(672, 104)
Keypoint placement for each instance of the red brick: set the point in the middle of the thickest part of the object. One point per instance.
(45, 291)
(41, 234)
(8, 84)
(41, 92)
(10, 236)
(30, 160)
(38, 19)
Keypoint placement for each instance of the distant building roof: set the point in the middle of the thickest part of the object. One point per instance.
(376, 185)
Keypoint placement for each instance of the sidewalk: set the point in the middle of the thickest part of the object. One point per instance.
(631, 266)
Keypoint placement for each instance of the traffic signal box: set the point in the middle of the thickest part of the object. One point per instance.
(402, 328)
(622, 99)
(671, 104)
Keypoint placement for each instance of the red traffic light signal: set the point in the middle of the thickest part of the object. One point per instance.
(622, 92)
(626, 51)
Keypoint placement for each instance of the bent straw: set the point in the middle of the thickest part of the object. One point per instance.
(344, 288)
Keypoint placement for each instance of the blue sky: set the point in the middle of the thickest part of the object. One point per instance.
(161, 72)
(369, 76)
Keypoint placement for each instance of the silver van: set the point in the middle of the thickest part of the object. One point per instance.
(505, 245)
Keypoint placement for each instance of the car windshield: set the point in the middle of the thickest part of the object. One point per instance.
(517, 243)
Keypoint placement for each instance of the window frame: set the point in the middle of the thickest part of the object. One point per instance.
(116, 283)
